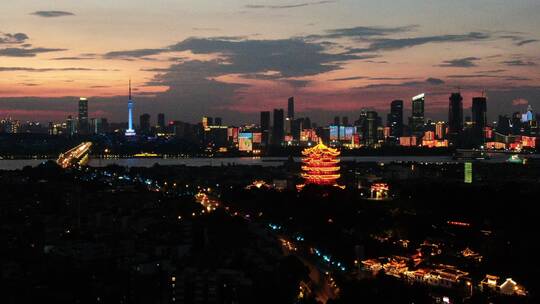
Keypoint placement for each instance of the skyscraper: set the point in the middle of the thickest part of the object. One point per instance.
(370, 129)
(71, 126)
(161, 121)
(130, 131)
(265, 127)
(296, 128)
(417, 119)
(290, 108)
(218, 121)
(98, 125)
(144, 123)
(278, 128)
(83, 116)
(307, 123)
(455, 114)
(479, 112)
(503, 125)
(396, 118)
(479, 117)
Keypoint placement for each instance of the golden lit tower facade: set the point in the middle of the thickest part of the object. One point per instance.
(320, 165)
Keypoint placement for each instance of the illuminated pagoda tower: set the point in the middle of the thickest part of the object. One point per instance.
(130, 131)
(320, 165)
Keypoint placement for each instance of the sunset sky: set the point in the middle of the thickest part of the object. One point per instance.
(234, 58)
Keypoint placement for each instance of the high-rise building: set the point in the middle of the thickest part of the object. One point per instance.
(479, 117)
(345, 120)
(503, 125)
(290, 108)
(71, 126)
(370, 128)
(297, 125)
(517, 124)
(336, 121)
(265, 127)
(307, 123)
(130, 131)
(479, 112)
(218, 121)
(395, 119)
(161, 121)
(278, 128)
(83, 116)
(144, 123)
(417, 118)
(455, 114)
(98, 125)
(289, 119)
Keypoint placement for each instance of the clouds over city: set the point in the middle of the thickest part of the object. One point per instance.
(52, 14)
(224, 82)
(27, 52)
(16, 45)
(467, 62)
(16, 38)
(288, 6)
(44, 70)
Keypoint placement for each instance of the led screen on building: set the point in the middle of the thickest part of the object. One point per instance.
(349, 131)
(341, 132)
(334, 132)
(245, 142)
(468, 173)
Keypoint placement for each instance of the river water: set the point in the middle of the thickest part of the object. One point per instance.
(263, 161)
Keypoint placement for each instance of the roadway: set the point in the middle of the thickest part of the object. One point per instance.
(75, 156)
(322, 284)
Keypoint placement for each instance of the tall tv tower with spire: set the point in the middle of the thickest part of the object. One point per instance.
(130, 131)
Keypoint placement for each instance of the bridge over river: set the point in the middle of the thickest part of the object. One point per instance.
(77, 156)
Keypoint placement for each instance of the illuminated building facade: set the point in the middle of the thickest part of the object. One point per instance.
(429, 140)
(308, 135)
(508, 287)
(130, 131)
(408, 141)
(206, 122)
(440, 130)
(320, 165)
(379, 191)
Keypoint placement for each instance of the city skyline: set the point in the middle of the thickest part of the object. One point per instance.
(199, 58)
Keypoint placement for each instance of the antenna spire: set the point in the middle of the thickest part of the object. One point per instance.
(129, 88)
